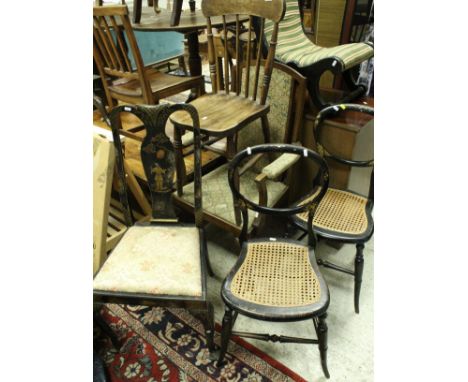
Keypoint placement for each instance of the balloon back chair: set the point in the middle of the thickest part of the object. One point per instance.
(161, 262)
(342, 216)
(276, 279)
(294, 48)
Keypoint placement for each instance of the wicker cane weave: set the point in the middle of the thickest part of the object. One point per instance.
(340, 211)
(276, 274)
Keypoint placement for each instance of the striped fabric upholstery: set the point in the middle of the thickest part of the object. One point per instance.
(294, 47)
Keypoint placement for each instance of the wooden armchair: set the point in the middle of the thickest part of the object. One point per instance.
(161, 262)
(264, 183)
(114, 46)
(343, 216)
(276, 279)
(295, 49)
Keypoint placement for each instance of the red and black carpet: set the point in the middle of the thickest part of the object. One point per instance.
(168, 345)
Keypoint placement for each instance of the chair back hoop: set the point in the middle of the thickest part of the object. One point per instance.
(221, 78)
(113, 41)
(158, 157)
(245, 203)
(333, 111)
(278, 148)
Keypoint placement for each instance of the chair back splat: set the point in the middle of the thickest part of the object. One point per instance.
(158, 157)
(258, 11)
(310, 206)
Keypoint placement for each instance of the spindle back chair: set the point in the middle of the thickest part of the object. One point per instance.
(232, 105)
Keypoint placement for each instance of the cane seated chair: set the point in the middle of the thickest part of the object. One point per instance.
(161, 262)
(276, 279)
(286, 99)
(343, 216)
(224, 112)
(122, 81)
(295, 49)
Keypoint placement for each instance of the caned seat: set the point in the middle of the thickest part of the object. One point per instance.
(154, 260)
(342, 215)
(217, 197)
(276, 279)
(341, 212)
(276, 274)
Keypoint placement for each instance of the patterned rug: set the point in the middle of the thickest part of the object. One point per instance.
(168, 345)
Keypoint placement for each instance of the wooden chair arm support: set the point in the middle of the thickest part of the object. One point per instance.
(260, 181)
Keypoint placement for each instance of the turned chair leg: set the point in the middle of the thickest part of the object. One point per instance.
(358, 270)
(209, 328)
(322, 334)
(225, 333)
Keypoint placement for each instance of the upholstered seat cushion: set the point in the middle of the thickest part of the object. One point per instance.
(154, 260)
(217, 195)
(277, 274)
(340, 211)
(294, 46)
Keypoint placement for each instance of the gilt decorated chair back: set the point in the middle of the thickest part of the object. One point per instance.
(158, 158)
(258, 11)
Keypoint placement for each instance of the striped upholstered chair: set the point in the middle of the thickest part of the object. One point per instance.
(296, 50)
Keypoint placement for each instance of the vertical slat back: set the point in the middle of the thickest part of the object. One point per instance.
(226, 56)
(259, 58)
(114, 41)
(238, 64)
(249, 43)
(212, 56)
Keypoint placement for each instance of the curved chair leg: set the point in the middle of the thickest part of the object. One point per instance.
(358, 270)
(225, 333)
(313, 86)
(322, 334)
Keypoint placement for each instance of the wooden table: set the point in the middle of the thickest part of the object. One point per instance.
(190, 23)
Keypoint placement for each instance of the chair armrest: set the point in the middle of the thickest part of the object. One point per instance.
(280, 165)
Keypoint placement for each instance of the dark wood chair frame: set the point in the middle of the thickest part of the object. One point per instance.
(360, 239)
(314, 72)
(175, 15)
(154, 119)
(234, 305)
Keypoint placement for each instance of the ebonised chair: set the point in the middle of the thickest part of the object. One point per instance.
(277, 279)
(295, 49)
(342, 215)
(161, 262)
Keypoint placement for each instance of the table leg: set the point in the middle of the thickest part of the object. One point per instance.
(194, 61)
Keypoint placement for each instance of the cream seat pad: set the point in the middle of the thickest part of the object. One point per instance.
(154, 260)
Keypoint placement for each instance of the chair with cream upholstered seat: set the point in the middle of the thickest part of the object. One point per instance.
(343, 216)
(161, 262)
(296, 49)
(276, 279)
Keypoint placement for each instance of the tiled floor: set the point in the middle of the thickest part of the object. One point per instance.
(350, 335)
